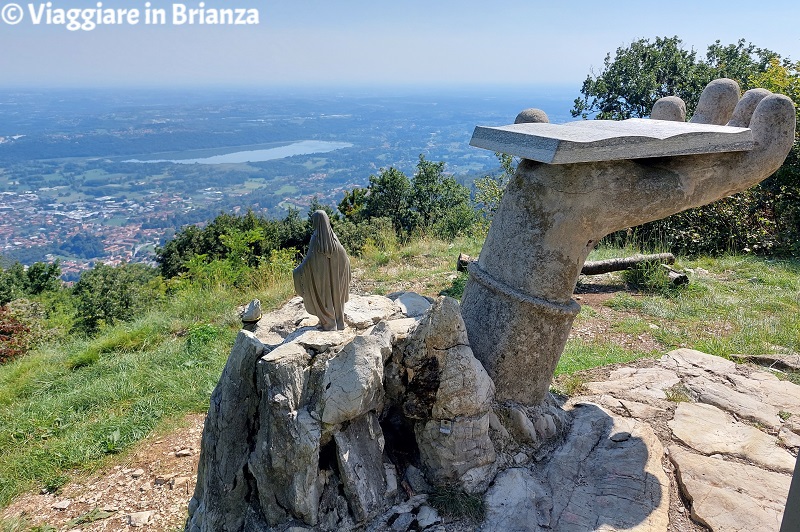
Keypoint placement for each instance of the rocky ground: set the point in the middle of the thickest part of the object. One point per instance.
(698, 441)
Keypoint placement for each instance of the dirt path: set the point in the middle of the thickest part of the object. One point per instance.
(150, 490)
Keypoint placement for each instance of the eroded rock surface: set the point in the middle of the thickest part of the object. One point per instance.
(295, 434)
(734, 432)
(728, 496)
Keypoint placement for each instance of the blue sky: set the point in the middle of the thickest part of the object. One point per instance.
(358, 43)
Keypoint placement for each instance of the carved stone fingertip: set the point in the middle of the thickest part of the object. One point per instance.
(746, 106)
(717, 102)
(669, 108)
(536, 116)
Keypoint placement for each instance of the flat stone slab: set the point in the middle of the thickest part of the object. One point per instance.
(783, 395)
(607, 140)
(641, 383)
(730, 497)
(362, 312)
(632, 409)
(741, 404)
(412, 304)
(319, 341)
(692, 363)
(709, 430)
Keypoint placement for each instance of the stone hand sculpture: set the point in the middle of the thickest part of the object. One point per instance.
(517, 304)
(323, 278)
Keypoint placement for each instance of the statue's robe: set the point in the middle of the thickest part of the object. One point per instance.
(323, 281)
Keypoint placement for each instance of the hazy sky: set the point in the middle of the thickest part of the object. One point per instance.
(375, 42)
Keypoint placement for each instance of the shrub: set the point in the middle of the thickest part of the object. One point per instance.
(15, 336)
(106, 294)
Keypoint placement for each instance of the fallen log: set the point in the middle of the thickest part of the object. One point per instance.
(596, 267)
(675, 277)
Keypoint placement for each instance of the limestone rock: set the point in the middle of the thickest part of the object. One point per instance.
(709, 430)
(251, 312)
(517, 502)
(138, 519)
(789, 438)
(633, 409)
(359, 451)
(272, 328)
(690, 362)
(639, 383)
(427, 516)
(352, 383)
(285, 462)
(416, 479)
(599, 483)
(401, 327)
(743, 405)
(788, 361)
(730, 497)
(450, 450)
(364, 311)
(450, 394)
(219, 501)
(319, 341)
(61, 505)
(767, 388)
(465, 389)
(402, 522)
(412, 304)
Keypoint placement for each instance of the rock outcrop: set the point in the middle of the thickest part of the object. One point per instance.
(358, 429)
(295, 434)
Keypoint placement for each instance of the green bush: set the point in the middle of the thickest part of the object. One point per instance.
(107, 294)
(242, 239)
(355, 237)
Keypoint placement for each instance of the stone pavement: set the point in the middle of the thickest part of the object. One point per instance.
(732, 434)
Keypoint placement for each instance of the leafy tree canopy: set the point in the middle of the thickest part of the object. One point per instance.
(645, 71)
(430, 201)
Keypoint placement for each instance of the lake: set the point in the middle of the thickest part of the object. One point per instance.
(303, 147)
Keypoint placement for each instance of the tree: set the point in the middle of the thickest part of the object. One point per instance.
(388, 197)
(42, 277)
(352, 205)
(489, 189)
(639, 75)
(439, 202)
(743, 62)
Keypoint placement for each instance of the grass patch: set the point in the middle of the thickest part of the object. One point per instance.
(678, 394)
(71, 404)
(456, 289)
(452, 501)
(580, 355)
(568, 385)
(425, 265)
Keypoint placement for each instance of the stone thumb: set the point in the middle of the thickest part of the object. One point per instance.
(773, 126)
